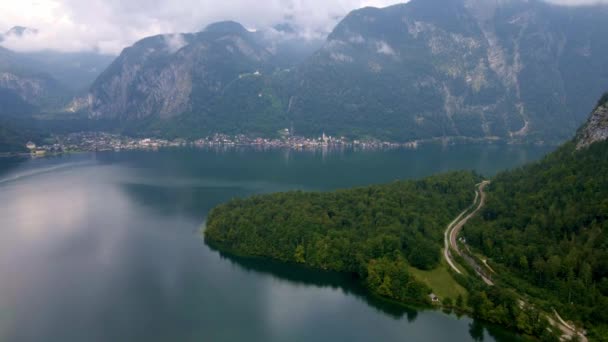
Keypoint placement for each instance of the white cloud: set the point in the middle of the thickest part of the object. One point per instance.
(110, 25)
(357, 39)
(385, 49)
(175, 42)
(578, 2)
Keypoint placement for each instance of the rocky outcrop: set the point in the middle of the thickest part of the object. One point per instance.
(31, 89)
(596, 128)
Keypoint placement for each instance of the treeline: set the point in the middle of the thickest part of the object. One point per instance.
(502, 306)
(374, 232)
(546, 227)
(15, 134)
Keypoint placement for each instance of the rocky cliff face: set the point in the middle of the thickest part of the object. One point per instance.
(485, 69)
(168, 75)
(596, 128)
(75, 71)
(410, 71)
(433, 68)
(33, 87)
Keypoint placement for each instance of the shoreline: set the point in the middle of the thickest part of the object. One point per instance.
(368, 295)
(103, 142)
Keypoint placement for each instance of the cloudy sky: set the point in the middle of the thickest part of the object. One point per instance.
(110, 25)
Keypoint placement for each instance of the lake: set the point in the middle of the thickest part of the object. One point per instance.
(107, 247)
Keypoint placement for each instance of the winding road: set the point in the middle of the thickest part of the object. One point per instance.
(450, 243)
(454, 228)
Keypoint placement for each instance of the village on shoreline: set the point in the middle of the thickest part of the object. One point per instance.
(104, 141)
(101, 141)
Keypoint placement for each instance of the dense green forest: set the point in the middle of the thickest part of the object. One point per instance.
(14, 134)
(10, 139)
(545, 228)
(374, 232)
(378, 233)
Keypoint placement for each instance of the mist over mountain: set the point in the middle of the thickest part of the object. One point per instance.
(220, 79)
(515, 70)
(512, 70)
(74, 70)
(17, 32)
(508, 69)
(34, 87)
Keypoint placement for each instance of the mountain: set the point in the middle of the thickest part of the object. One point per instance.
(545, 227)
(36, 88)
(15, 134)
(434, 68)
(493, 69)
(17, 31)
(289, 45)
(76, 71)
(16, 125)
(27, 92)
(10, 141)
(213, 80)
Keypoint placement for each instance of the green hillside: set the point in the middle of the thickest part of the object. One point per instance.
(545, 229)
(374, 232)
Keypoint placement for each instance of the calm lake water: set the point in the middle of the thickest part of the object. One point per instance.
(107, 247)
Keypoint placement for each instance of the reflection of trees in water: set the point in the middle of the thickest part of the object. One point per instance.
(299, 275)
(477, 331)
(350, 285)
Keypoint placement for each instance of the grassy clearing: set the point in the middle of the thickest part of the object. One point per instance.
(441, 281)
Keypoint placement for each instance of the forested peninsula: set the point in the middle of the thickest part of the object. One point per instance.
(374, 232)
(542, 238)
(388, 236)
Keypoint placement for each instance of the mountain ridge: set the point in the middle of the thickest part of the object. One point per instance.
(414, 71)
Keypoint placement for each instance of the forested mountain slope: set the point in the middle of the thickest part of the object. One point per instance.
(545, 226)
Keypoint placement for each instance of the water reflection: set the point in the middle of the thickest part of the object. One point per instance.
(297, 275)
(9, 163)
(171, 201)
(106, 247)
(349, 285)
